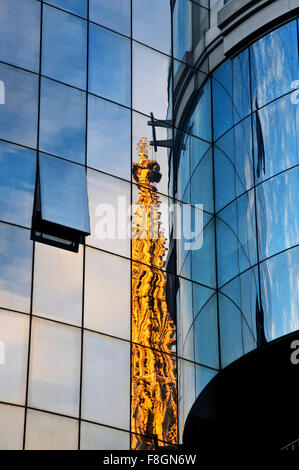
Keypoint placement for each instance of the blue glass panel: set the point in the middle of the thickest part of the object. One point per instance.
(152, 23)
(222, 99)
(203, 259)
(277, 211)
(203, 377)
(114, 14)
(109, 137)
(79, 7)
(62, 121)
(17, 183)
(200, 123)
(231, 344)
(109, 65)
(202, 183)
(275, 137)
(18, 116)
(20, 33)
(64, 47)
(233, 164)
(182, 30)
(274, 64)
(15, 268)
(236, 238)
(63, 193)
(206, 335)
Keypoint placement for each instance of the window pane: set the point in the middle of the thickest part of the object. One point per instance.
(63, 193)
(109, 137)
(45, 431)
(58, 284)
(274, 64)
(62, 121)
(106, 49)
(115, 14)
(106, 312)
(202, 182)
(94, 437)
(109, 200)
(203, 377)
(15, 268)
(203, 256)
(54, 381)
(79, 7)
(106, 380)
(151, 72)
(11, 427)
(18, 116)
(182, 28)
(222, 99)
(233, 164)
(152, 23)
(64, 47)
(231, 345)
(186, 387)
(17, 183)
(277, 211)
(20, 33)
(206, 335)
(200, 123)
(14, 334)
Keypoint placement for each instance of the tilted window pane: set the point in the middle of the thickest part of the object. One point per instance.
(109, 65)
(152, 23)
(274, 64)
(222, 99)
(106, 380)
(182, 29)
(15, 268)
(202, 182)
(106, 312)
(45, 431)
(62, 121)
(151, 72)
(54, 381)
(277, 208)
(11, 427)
(14, 335)
(20, 33)
(94, 437)
(231, 344)
(64, 47)
(18, 116)
(200, 122)
(114, 14)
(63, 193)
(109, 137)
(206, 335)
(58, 280)
(109, 201)
(79, 7)
(17, 182)
(203, 252)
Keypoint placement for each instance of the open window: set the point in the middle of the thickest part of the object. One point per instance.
(60, 214)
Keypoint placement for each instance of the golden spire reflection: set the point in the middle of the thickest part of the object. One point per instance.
(154, 377)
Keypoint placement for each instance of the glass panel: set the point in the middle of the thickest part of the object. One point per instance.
(203, 253)
(106, 274)
(109, 201)
(241, 86)
(94, 437)
(62, 121)
(186, 392)
(14, 334)
(115, 14)
(11, 427)
(202, 182)
(64, 47)
(152, 23)
(18, 116)
(200, 122)
(277, 212)
(274, 64)
(206, 334)
(106, 49)
(45, 431)
(203, 377)
(280, 295)
(233, 164)
(109, 137)
(20, 33)
(276, 138)
(63, 193)
(79, 7)
(58, 276)
(222, 99)
(151, 72)
(106, 380)
(231, 344)
(236, 238)
(54, 382)
(15, 268)
(17, 183)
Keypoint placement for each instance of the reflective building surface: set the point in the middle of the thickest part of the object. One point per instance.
(149, 228)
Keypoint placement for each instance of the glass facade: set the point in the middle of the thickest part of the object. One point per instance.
(109, 347)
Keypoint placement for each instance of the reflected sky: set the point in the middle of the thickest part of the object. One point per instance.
(79, 7)
(114, 14)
